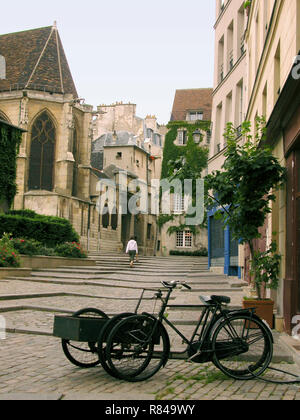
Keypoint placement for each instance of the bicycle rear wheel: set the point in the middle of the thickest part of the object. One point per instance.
(137, 348)
(84, 355)
(242, 344)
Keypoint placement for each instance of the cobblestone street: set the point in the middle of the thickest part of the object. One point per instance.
(33, 363)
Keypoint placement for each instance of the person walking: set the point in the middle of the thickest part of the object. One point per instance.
(132, 250)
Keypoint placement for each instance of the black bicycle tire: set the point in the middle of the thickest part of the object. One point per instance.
(65, 342)
(103, 335)
(266, 356)
(138, 375)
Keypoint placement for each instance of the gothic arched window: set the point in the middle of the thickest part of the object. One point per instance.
(75, 167)
(114, 219)
(105, 217)
(2, 67)
(41, 166)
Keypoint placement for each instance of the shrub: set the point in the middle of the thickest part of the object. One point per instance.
(70, 250)
(8, 255)
(202, 252)
(23, 213)
(47, 230)
(27, 246)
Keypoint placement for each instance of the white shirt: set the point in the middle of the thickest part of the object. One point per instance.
(132, 246)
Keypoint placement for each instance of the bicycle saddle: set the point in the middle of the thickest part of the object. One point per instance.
(169, 285)
(215, 299)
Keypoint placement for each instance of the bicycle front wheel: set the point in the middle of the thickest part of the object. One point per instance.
(103, 338)
(137, 348)
(242, 345)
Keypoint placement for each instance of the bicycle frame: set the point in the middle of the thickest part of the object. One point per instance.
(207, 310)
(215, 310)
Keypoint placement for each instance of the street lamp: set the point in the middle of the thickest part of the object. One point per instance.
(197, 136)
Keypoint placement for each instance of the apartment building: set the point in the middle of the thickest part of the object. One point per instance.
(273, 42)
(229, 105)
(191, 106)
(263, 79)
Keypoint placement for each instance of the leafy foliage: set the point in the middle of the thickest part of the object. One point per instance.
(266, 268)
(10, 140)
(245, 187)
(8, 255)
(70, 250)
(202, 252)
(184, 162)
(50, 231)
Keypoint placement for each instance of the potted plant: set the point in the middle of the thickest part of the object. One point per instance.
(242, 194)
(265, 269)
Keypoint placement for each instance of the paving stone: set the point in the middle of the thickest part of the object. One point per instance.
(34, 365)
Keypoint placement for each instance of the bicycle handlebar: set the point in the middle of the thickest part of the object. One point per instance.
(173, 284)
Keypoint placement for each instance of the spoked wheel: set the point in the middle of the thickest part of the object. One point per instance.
(242, 346)
(84, 355)
(103, 339)
(137, 348)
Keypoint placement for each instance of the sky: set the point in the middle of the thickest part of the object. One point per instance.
(133, 51)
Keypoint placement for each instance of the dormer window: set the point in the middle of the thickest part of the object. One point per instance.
(195, 116)
(2, 68)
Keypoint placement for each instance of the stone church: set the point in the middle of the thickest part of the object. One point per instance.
(54, 171)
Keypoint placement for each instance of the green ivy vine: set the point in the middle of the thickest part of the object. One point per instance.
(194, 157)
(10, 140)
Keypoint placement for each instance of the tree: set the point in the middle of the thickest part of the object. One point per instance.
(184, 162)
(244, 189)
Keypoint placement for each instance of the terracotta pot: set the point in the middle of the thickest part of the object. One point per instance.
(264, 309)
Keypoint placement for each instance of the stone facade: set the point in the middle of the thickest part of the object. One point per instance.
(59, 166)
(127, 145)
(229, 105)
(190, 105)
(273, 42)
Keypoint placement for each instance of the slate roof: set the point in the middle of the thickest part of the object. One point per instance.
(35, 59)
(192, 100)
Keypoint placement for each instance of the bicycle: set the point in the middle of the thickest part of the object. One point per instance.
(237, 342)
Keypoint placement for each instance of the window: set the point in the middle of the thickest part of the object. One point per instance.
(196, 116)
(277, 69)
(105, 217)
(75, 167)
(184, 239)
(114, 219)
(178, 204)
(41, 167)
(157, 139)
(149, 133)
(149, 230)
(182, 138)
(2, 67)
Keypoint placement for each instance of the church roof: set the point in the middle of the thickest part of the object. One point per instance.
(192, 100)
(36, 60)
